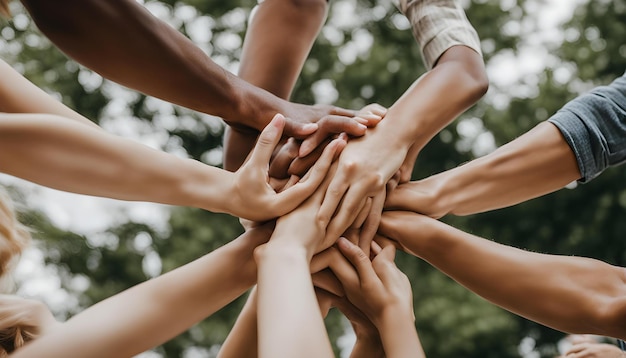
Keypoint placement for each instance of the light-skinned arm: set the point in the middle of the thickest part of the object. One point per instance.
(286, 297)
(594, 350)
(19, 95)
(157, 310)
(536, 163)
(123, 42)
(570, 294)
(60, 153)
(369, 162)
(242, 340)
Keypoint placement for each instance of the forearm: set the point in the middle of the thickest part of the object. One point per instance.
(437, 98)
(157, 310)
(271, 60)
(537, 163)
(242, 341)
(18, 95)
(571, 294)
(399, 337)
(287, 300)
(154, 58)
(368, 347)
(65, 155)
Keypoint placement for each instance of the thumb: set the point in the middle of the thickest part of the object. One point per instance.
(269, 138)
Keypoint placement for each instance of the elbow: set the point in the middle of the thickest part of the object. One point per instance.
(610, 313)
(480, 85)
(609, 320)
(476, 81)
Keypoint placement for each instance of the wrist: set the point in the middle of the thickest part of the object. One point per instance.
(255, 108)
(393, 317)
(288, 254)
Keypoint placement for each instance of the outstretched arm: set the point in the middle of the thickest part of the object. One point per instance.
(369, 162)
(157, 310)
(571, 294)
(60, 153)
(286, 297)
(579, 142)
(123, 42)
(242, 340)
(537, 163)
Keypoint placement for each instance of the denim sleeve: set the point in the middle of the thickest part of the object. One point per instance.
(594, 126)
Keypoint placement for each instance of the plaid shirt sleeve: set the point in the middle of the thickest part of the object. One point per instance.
(437, 26)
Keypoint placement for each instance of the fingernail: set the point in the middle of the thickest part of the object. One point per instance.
(309, 126)
(361, 126)
(361, 120)
(278, 120)
(304, 150)
(344, 243)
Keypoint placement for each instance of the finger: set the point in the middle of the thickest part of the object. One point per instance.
(322, 260)
(406, 169)
(327, 280)
(335, 192)
(352, 235)
(345, 272)
(370, 227)
(347, 212)
(293, 180)
(267, 141)
(358, 259)
(338, 111)
(388, 253)
(330, 125)
(279, 166)
(369, 119)
(374, 108)
(300, 165)
(375, 249)
(383, 242)
(577, 348)
(298, 129)
(289, 199)
(393, 182)
(360, 219)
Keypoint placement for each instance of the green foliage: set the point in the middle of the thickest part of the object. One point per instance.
(452, 321)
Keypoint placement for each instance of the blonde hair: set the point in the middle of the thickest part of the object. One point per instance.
(14, 238)
(4, 8)
(13, 338)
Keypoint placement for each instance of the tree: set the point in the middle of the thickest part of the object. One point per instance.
(371, 57)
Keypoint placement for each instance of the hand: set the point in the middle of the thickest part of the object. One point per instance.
(365, 167)
(289, 159)
(410, 232)
(594, 350)
(304, 227)
(376, 286)
(417, 196)
(329, 120)
(249, 194)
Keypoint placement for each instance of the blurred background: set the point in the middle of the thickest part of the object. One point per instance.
(539, 55)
